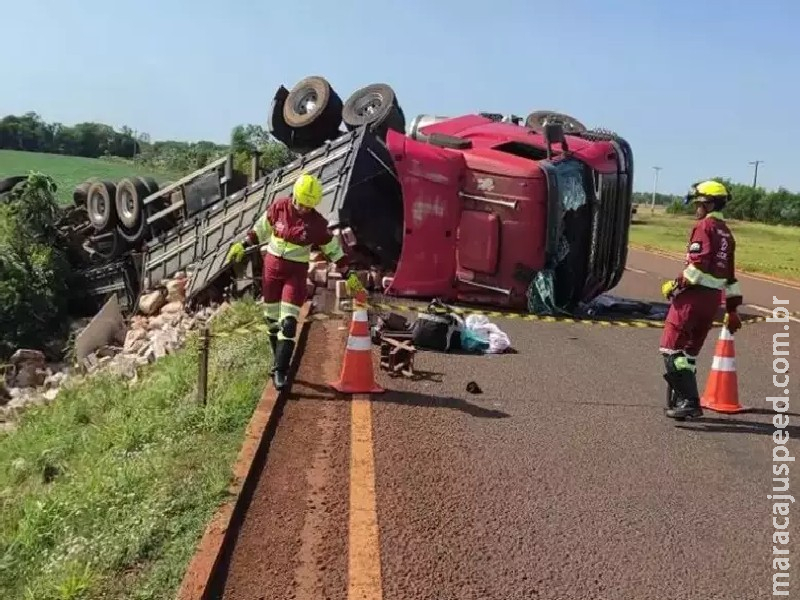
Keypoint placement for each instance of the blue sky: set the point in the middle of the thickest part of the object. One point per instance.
(699, 87)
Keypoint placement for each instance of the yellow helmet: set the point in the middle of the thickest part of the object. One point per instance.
(708, 191)
(307, 191)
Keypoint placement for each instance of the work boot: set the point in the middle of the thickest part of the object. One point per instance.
(685, 395)
(273, 344)
(283, 358)
(687, 407)
(672, 398)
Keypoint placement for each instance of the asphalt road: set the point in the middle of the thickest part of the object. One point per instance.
(562, 480)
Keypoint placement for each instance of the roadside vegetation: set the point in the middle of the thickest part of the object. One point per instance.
(31, 143)
(34, 271)
(760, 248)
(106, 492)
(69, 171)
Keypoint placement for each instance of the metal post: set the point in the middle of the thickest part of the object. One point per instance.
(755, 172)
(202, 371)
(655, 187)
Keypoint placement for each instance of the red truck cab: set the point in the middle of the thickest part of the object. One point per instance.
(481, 218)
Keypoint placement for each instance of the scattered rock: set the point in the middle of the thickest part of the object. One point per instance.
(151, 303)
(159, 330)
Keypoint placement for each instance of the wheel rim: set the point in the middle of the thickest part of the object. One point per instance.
(99, 206)
(128, 206)
(306, 103)
(369, 104)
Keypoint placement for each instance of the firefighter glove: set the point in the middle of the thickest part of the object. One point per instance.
(732, 322)
(668, 288)
(236, 253)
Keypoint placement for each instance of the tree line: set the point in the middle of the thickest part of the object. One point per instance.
(747, 203)
(31, 133)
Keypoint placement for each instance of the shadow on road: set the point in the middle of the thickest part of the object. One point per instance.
(728, 425)
(400, 398)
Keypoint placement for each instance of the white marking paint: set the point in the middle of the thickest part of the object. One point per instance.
(768, 311)
(636, 270)
(485, 184)
(424, 208)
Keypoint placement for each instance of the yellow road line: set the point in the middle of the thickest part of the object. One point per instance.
(364, 567)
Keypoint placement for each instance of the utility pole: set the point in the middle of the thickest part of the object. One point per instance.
(655, 187)
(755, 163)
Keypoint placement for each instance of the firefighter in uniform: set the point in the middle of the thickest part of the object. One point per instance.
(291, 227)
(695, 298)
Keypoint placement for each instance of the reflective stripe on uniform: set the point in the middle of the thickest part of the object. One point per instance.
(288, 250)
(696, 277)
(272, 311)
(333, 249)
(287, 309)
(683, 363)
(732, 290)
(262, 228)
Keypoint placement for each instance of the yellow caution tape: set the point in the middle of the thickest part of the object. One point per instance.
(261, 327)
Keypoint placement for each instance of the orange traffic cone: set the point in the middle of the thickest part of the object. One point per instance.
(358, 376)
(722, 389)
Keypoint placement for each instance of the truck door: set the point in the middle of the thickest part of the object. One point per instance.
(478, 247)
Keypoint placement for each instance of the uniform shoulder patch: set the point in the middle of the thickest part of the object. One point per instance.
(695, 247)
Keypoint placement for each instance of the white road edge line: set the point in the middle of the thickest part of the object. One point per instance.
(636, 270)
(768, 311)
(739, 276)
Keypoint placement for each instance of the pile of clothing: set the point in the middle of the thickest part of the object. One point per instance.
(440, 328)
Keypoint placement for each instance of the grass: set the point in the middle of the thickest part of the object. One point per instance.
(766, 249)
(106, 492)
(69, 171)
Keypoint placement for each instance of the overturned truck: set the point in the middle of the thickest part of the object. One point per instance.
(480, 208)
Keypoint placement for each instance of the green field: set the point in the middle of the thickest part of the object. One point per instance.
(105, 493)
(69, 171)
(766, 249)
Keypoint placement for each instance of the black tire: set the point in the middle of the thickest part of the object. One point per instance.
(536, 121)
(101, 205)
(79, 194)
(150, 183)
(7, 184)
(129, 202)
(133, 236)
(276, 124)
(374, 105)
(313, 105)
(107, 245)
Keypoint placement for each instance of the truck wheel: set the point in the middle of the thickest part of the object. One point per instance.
(107, 245)
(100, 205)
(79, 194)
(149, 183)
(130, 194)
(315, 107)
(7, 184)
(536, 121)
(375, 105)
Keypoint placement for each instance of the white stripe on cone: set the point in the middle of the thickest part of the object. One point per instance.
(359, 343)
(724, 363)
(725, 334)
(360, 316)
